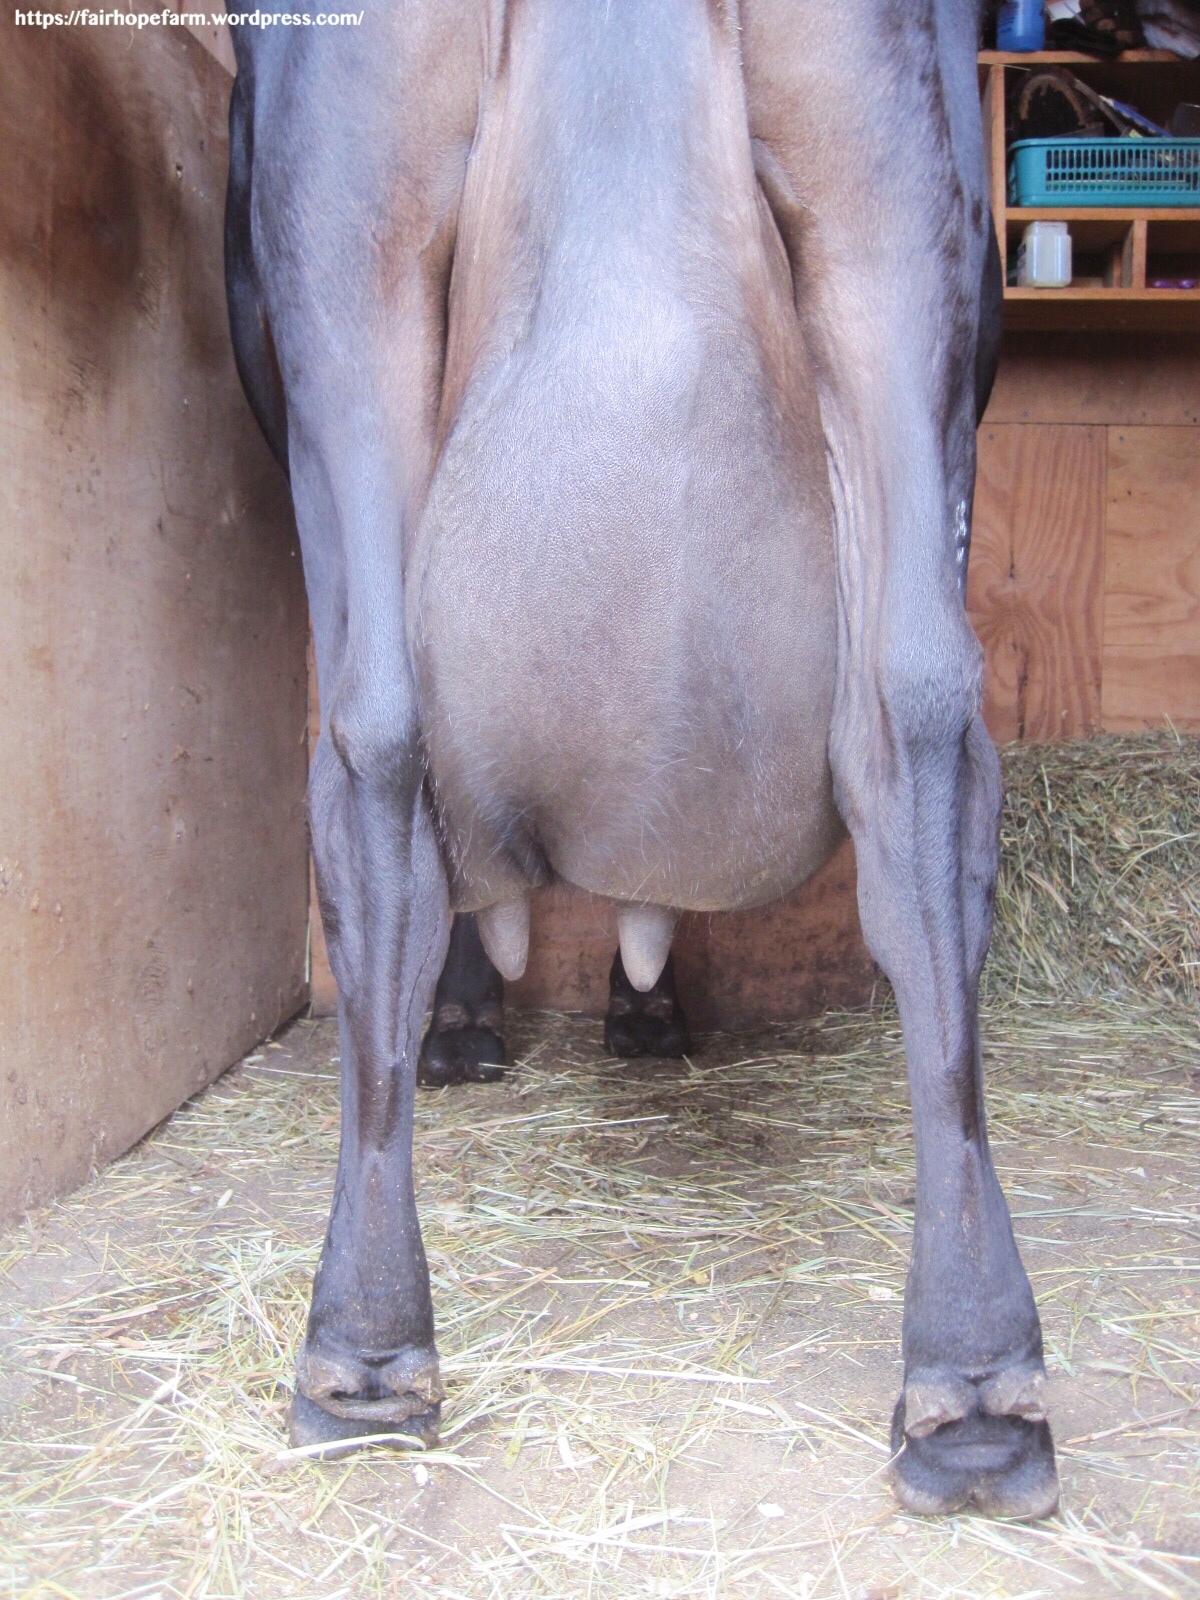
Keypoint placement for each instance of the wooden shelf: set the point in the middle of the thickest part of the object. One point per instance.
(1126, 244)
(1093, 229)
(1024, 214)
(1090, 309)
(1077, 58)
(1118, 296)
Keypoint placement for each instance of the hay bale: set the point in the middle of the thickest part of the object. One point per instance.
(1099, 887)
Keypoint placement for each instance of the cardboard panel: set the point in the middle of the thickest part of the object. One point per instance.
(1036, 581)
(1152, 563)
(152, 684)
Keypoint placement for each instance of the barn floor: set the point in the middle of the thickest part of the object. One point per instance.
(669, 1309)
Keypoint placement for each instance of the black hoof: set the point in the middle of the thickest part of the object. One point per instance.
(311, 1426)
(463, 1053)
(650, 1024)
(1002, 1466)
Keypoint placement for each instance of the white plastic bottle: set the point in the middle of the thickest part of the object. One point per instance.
(1044, 259)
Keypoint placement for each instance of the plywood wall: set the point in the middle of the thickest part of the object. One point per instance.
(153, 896)
(1151, 665)
(1037, 578)
(1085, 567)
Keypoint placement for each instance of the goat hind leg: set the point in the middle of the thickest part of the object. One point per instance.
(888, 241)
(970, 1426)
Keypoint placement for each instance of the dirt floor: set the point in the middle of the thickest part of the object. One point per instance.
(669, 1311)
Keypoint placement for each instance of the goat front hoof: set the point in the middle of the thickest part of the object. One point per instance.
(637, 1034)
(649, 1023)
(328, 1438)
(1002, 1466)
(462, 1046)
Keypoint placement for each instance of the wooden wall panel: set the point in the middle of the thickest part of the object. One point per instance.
(152, 682)
(1152, 599)
(779, 962)
(572, 937)
(1036, 585)
(322, 986)
(217, 41)
(1129, 379)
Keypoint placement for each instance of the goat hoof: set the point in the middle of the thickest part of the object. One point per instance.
(462, 1046)
(649, 1023)
(637, 1034)
(328, 1438)
(1002, 1466)
(342, 1401)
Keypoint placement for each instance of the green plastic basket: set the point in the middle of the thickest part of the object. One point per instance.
(1104, 172)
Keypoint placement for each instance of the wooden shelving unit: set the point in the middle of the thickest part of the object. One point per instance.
(1118, 251)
